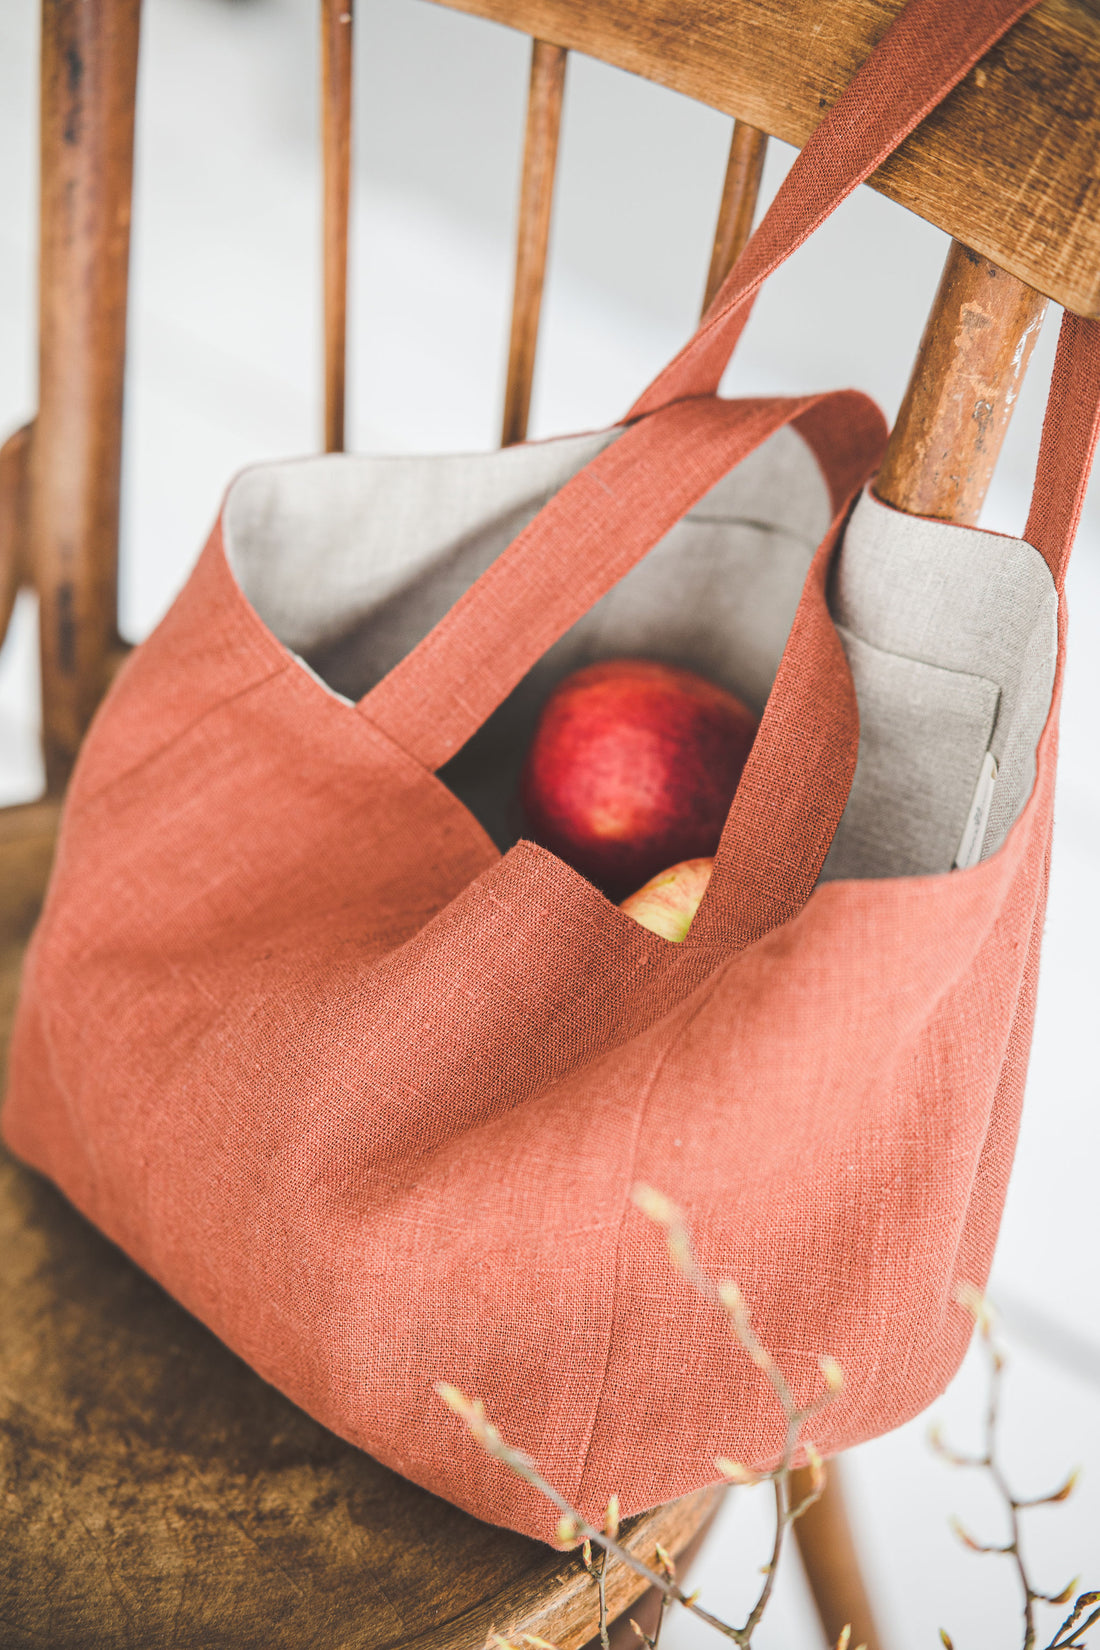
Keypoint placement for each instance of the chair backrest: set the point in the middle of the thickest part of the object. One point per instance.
(1022, 235)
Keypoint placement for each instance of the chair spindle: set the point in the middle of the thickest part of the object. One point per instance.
(977, 343)
(540, 153)
(336, 114)
(735, 213)
(88, 80)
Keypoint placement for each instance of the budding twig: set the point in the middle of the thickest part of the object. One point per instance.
(985, 1320)
(573, 1527)
(1068, 1636)
(599, 1573)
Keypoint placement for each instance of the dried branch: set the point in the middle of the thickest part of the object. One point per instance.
(599, 1575)
(1068, 1636)
(668, 1565)
(574, 1528)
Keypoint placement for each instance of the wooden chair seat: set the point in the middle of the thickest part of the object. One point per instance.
(158, 1492)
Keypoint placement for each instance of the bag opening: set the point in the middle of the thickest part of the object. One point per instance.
(951, 633)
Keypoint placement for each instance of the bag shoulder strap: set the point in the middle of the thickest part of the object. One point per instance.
(1070, 431)
(923, 55)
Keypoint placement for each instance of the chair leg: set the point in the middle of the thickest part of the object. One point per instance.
(831, 1562)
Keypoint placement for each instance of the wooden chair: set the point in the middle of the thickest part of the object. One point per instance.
(162, 1493)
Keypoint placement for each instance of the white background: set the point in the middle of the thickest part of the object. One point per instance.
(225, 369)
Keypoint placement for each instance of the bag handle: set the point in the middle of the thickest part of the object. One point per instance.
(923, 55)
(795, 784)
(1070, 430)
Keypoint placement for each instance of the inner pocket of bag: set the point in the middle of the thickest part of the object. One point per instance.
(952, 638)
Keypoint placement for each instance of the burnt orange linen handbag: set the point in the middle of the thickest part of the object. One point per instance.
(368, 1095)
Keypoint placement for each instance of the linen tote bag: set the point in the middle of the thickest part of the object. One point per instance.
(365, 1083)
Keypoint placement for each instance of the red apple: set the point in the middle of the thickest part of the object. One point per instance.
(670, 900)
(632, 768)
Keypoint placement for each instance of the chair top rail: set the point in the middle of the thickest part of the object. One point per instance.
(1009, 164)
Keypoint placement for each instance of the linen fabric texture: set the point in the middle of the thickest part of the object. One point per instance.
(366, 1082)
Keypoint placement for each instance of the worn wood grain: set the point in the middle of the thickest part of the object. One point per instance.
(1010, 164)
(970, 365)
(15, 561)
(740, 189)
(540, 155)
(336, 117)
(89, 70)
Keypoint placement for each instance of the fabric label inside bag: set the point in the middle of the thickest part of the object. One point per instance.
(970, 848)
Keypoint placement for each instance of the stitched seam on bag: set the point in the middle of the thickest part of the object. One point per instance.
(182, 733)
(658, 1067)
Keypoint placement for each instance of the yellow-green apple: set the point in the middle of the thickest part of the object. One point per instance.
(632, 767)
(669, 900)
